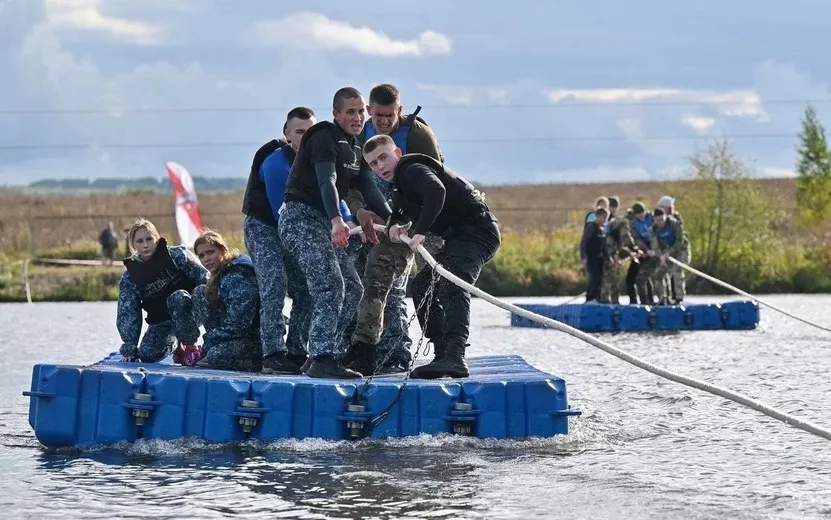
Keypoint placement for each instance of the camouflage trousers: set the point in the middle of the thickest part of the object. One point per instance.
(160, 339)
(644, 277)
(301, 308)
(612, 276)
(669, 273)
(333, 283)
(382, 314)
(242, 352)
(266, 251)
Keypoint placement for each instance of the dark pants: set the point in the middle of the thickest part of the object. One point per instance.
(631, 285)
(467, 248)
(594, 267)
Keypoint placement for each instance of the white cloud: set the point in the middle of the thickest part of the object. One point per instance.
(314, 31)
(86, 15)
(465, 95)
(698, 123)
(737, 103)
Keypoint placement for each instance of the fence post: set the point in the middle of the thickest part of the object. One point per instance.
(32, 241)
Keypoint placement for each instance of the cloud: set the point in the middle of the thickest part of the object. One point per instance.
(86, 15)
(698, 123)
(463, 95)
(737, 103)
(314, 31)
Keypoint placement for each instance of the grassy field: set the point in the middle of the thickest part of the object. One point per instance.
(539, 256)
(40, 223)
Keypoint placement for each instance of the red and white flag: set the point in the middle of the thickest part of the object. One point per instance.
(188, 216)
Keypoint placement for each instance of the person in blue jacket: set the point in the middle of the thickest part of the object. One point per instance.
(158, 280)
(277, 273)
(228, 306)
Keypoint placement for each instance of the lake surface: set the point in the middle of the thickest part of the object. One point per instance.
(644, 448)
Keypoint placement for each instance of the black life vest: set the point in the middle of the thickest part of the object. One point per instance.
(255, 201)
(596, 242)
(157, 278)
(302, 185)
(462, 201)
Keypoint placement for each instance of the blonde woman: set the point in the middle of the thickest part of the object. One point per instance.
(228, 305)
(158, 280)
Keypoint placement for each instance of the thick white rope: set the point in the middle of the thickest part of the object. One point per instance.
(748, 295)
(645, 365)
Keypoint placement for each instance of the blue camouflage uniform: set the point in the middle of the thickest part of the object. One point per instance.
(276, 273)
(175, 321)
(232, 324)
(328, 164)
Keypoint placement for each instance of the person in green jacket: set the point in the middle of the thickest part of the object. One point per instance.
(668, 239)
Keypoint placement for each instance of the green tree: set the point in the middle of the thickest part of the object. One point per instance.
(814, 169)
(735, 232)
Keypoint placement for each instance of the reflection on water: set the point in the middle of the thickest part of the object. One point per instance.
(644, 448)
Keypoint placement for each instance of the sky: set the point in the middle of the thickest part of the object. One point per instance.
(516, 92)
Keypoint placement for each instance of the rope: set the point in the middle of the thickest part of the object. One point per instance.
(575, 298)
(640, 363)
(748, 295)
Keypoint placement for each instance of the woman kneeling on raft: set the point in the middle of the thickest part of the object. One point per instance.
(159, 280)
(228, 305)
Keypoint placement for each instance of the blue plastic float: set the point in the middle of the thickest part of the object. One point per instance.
(113, 401)
(599, 317)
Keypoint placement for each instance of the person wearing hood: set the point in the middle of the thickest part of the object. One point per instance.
(228, 306)
(158, 280)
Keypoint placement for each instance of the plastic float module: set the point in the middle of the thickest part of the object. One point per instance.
(113, 401)
(600, 317)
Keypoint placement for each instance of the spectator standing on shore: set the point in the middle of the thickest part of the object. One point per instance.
(109, 243)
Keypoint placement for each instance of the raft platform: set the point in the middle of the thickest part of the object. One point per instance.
(603, 317)
(113, 401)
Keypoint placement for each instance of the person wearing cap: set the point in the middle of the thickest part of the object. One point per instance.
(667, 239)
(667, 204)
(632, 272)
(619, 247)
(641, 224)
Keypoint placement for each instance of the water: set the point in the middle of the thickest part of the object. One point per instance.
(644, 448)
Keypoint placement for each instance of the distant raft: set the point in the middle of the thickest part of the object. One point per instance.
(113, 401)
(599, 317)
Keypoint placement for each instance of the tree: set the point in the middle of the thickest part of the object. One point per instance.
(734, 230)
(814, 169)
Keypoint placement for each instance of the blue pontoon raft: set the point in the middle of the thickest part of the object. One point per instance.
(600, 317)
(113, 401)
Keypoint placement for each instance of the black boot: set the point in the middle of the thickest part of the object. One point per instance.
(306, 365)
(328, 367)
(298, 359)
(280, 362)
(364, 358)
(449, 361)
